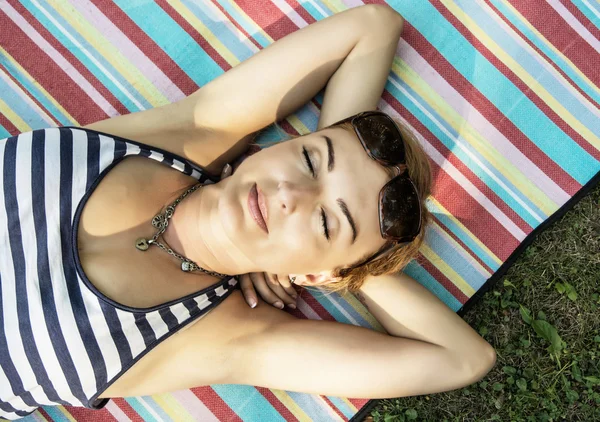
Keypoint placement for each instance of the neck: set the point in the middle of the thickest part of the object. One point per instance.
(195, 232)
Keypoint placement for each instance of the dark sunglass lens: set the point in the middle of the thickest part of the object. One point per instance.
(382, 138)
(400, 209)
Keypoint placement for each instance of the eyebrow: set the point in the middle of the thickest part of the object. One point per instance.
(340, 201)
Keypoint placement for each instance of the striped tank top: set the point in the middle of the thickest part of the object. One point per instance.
(61, 341)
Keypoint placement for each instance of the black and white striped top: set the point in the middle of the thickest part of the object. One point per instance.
(61, 341)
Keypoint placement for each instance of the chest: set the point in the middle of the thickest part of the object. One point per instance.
(119, 211)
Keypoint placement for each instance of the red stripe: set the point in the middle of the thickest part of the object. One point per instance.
(315, 305)
(268, 16)
(208, 49)
(43, 413)
(334, 408)
(462, 244)
(358, 403)
(30, 95)
(7, 124)
(583, 19)
(443, 280)
(53, 78)
(237, 25)
(490, 112)
(127, 409)
(566, 39)
(308, 18)
(525, 90)
(277, 405)
(540, 52)
(215, 404)
(85, 414)
(458, 164)
(147, 45)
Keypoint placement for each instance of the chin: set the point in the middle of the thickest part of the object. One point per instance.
(231, 217)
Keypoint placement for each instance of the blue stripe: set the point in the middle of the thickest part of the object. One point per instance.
(159, 410)
(169, 36)
(168, 318)
(248, 403)
(83, 58)
(213, 22)
(308, 405)
(422, 276)
(446, 221)
(450, 143)
(3, 132)
(145, 329)
(16, 249)
(336, 299)
(445, 250)
(75, 296)
(45, 282)
(20, 107)
(557, 90)
(584, 85)
(585, 9)
(499, 90)
(319, 296)
(140, 409)
(55, 414)
(311, 10)
(34, 91)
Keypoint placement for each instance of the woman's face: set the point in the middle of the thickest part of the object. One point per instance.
(314, 222)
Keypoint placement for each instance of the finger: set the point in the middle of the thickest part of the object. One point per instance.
(260, 284)
(276, 287)
(287, 285)
(248, 290)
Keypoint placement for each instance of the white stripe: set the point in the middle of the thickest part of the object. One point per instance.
(306, 309)
(290, 13)
(203, 301)
(155, 155)
(195, 406)
(335, 303)
(14, 342)
(116, 411)
(131, 149)
(37, 319)
(131, 332)
(196, 174)
(178, 165)
(158, 325)
(181, 312)
(216, 15)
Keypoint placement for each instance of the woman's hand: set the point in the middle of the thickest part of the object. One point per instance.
(274, 289)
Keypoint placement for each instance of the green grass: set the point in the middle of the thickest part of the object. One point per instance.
(550, 376)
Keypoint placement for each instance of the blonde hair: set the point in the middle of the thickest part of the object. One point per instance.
(419, 170)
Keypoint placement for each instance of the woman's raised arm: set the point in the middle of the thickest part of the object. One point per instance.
(213, 125)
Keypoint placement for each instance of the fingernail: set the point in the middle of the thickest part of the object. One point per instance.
(278, 305)
(295, 297)
(252, 303)
(291, 305)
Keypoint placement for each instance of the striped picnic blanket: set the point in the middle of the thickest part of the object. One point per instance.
(503, 94)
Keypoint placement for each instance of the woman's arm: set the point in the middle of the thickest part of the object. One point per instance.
(429, 349)
(420, 315)
(213, 125)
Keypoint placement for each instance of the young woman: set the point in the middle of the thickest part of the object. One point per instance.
(118, 245)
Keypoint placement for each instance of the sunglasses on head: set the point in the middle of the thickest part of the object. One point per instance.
(399, 202)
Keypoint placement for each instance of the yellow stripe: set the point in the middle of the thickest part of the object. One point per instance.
(14, 118)
(297, 124)
(290, 404)
(445, 269)
(349, 404)
(551, 46)
(172, 407)
(27, 76)
(466, 231)
(335, 6)
(67, 414)
(205, 32)
(110, 53)
(529, 80)
(474, 138)
(39, 111)
(457, 246)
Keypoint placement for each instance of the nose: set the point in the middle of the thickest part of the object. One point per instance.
(291, 196)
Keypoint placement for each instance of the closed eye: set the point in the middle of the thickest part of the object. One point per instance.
(324, 223)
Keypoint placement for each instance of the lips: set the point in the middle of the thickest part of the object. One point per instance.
(257, 207)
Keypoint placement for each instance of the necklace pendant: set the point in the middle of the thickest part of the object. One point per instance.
(142, 244)
(186, 266)
(158, 221)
